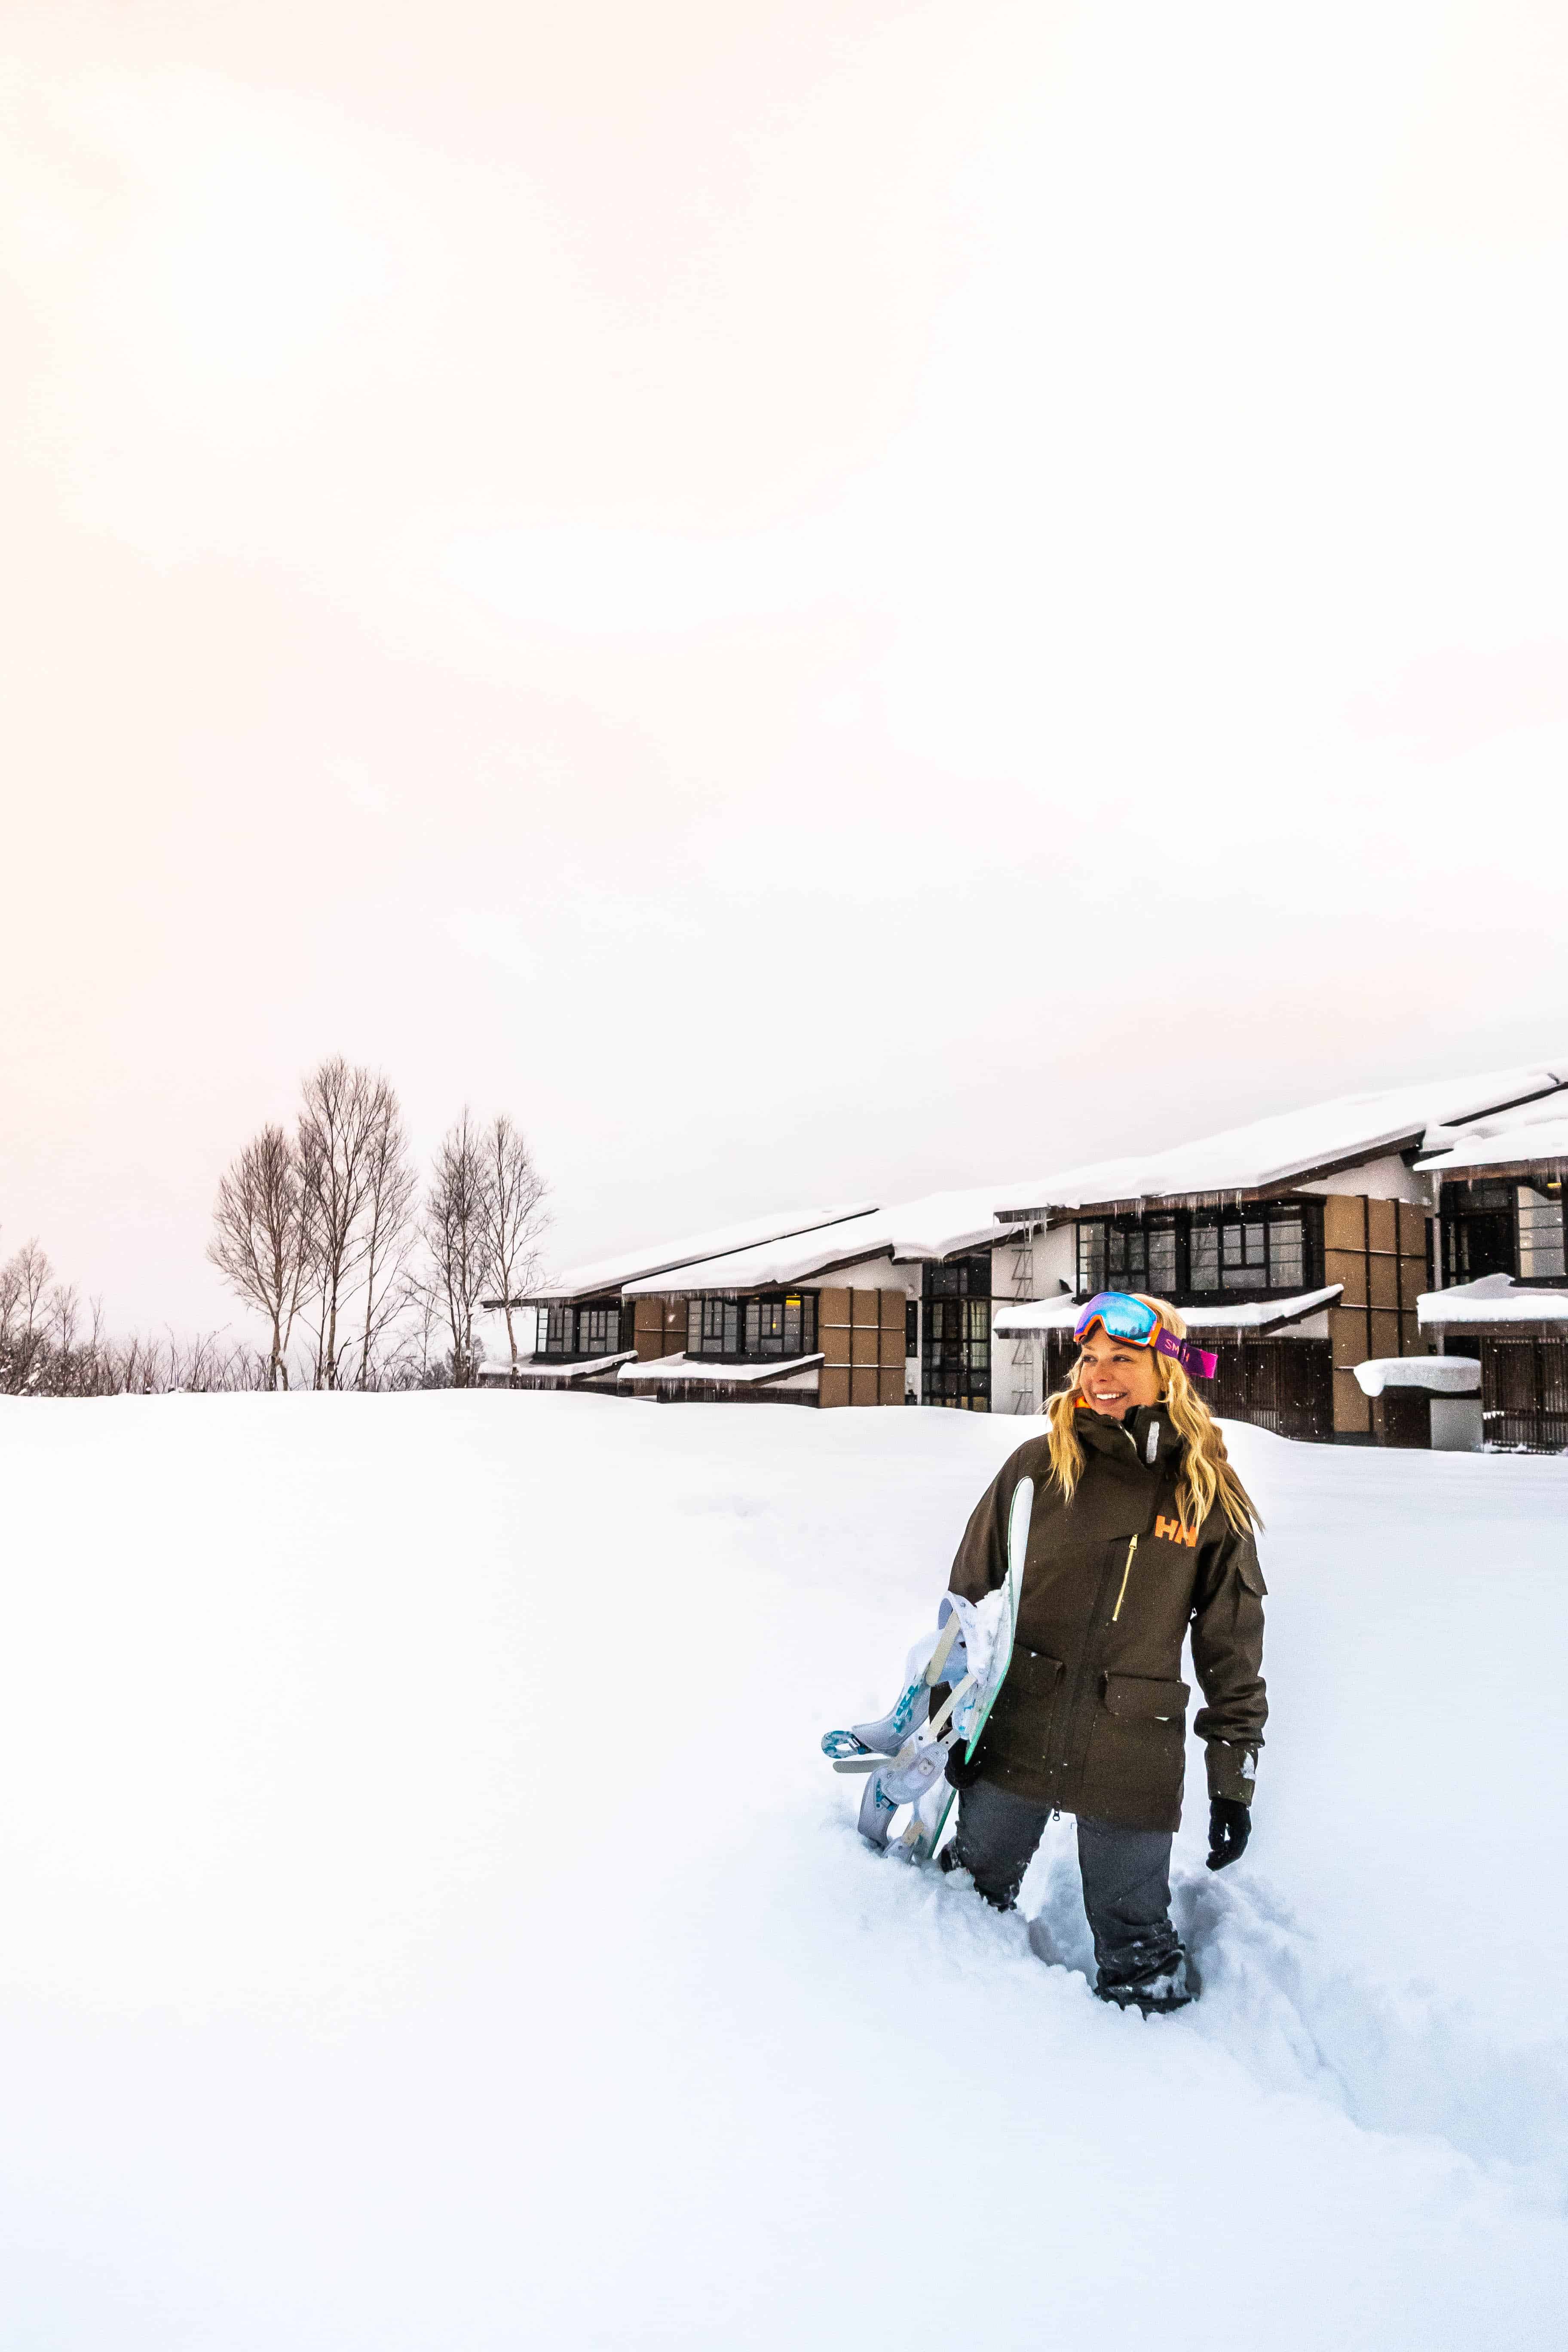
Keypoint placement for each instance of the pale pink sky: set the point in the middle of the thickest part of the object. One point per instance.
(817, 599)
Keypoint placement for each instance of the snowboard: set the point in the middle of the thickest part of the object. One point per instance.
(905, 1752)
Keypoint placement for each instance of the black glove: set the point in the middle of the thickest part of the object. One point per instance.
(962, 1775)
(1230, 1826)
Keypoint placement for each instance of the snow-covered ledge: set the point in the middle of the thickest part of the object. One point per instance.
(1255, 1317)
(1496, 1298)
(1440, 1375)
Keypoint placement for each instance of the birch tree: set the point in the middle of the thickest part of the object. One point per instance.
(262, 1237)
(390, 1228)
(456, 1233)
(515, 1215)
(336, 1148)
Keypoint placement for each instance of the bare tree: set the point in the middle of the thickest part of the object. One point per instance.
(390, 1232)
(336, 1128)
(262, 1236)
(515, 1215)
(456, 1233)
(26, 1282)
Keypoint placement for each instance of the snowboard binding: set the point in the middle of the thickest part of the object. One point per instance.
(904, 1753)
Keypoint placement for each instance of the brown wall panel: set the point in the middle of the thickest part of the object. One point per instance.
(1352, 1414)
(866, 1349)
(1414, 1343)
(1338, 1265)
(863, 1387)
(1383, 1224)
(835, 1344)
(890, 1385)
(1413, 1231)
(1385, 1334)
(1385, 1272)
(893, 1314)
(833, 1386)
(867, 1307)
(647, 1332)
(1347, 1335)
(1342, 1226)
(832, 1307)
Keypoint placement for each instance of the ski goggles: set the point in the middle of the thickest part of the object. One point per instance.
(1121, 1317)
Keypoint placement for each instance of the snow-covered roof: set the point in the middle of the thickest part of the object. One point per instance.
(553, 1371)
(1495, 1299)
(1040, 1315)
(941, 1226)
(1492, 1143)
(695, 1371)
(613, 1274)
(1441, 1375)
(1288, 1147)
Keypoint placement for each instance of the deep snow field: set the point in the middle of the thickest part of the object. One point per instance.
(429, 1921)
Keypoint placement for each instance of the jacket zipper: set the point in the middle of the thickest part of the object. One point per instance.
(1125, 1574)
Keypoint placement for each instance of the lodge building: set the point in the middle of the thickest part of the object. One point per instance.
(1370, 1230)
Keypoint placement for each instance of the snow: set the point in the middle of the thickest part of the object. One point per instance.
(694, 1370)
(546, 1368)
(1440, 1375)
(1276, 1151)
(1503, 1146)
(935, 1227)
(359, 1992)
(610, 1274)
(1254, 1315)
(1495, 1299)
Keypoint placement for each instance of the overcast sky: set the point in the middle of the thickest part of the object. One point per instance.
(817, 597)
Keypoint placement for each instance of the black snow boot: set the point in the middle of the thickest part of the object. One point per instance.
(1175, 1985)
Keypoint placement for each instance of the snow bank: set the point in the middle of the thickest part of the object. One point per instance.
(430, 1923)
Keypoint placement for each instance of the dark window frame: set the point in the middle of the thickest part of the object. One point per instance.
(563, 1340)
(765, 1327)
(1481, 1218)
(955, 1333)
(1253, 1236)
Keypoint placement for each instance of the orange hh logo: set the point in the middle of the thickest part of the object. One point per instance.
(1172, 1531)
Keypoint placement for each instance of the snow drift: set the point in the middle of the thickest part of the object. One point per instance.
(429, 1923)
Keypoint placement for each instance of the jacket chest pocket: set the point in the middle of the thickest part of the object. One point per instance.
(1020, 1729)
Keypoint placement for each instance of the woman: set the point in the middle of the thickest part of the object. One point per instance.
(1141, 1531)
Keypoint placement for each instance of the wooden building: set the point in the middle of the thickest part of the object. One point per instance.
(891, 1306)
(1503, 1268)
(1296, 1248)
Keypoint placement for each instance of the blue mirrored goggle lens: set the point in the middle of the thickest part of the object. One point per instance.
(1123, 1317)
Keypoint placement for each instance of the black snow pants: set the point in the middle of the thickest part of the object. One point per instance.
(1126, 1878)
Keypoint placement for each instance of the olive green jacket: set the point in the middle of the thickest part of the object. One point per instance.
(1093, 1714)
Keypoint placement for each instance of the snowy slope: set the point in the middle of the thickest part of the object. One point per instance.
(358, 1990)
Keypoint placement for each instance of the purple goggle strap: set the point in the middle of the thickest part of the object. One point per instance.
(1191, 1358)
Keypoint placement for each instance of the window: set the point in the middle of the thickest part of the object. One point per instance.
(598, 1330)
(1201, 1254)
(955, 1343)
(712, 1327)
(748, 1331)
(1540, 1252)
(1259, 1250)
(591, 1330)
(1496, 1225)
(779, 1327)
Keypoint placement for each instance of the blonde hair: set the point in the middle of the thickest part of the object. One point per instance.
(1206, 1474)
